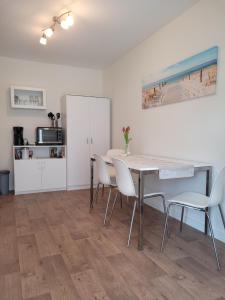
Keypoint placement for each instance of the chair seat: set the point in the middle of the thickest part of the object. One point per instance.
(191, 199)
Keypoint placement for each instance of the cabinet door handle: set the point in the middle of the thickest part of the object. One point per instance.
(87, 140)
(91, 141)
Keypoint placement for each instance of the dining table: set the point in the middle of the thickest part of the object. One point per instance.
(144, 165)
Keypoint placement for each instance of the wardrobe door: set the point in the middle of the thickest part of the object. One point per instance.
(78, 142)
(100, 125)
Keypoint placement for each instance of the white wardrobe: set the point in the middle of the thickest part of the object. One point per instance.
(87, 131)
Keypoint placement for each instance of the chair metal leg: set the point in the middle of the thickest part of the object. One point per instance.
(164, 208)
(181, 219)
(164, 203)
(213, 241)
(114, 202)
(165, 228)
(107, 205)
(131, 223)
(222, 216)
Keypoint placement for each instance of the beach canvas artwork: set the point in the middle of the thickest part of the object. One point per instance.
(191, 78)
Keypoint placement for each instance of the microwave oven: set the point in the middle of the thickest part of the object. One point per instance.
(49, 136)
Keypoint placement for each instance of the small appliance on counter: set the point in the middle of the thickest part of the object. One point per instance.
(18, 136)
(49, 136)
(25, 153)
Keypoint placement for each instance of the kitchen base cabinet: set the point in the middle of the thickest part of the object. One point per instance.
(39, 174)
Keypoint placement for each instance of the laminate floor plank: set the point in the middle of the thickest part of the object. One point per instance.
(135, 279)
(89, 286)
(10, 287)
(7, 214)
(73, 257)
(114, 285)
(41, 297)
(23, 225)
(59, 279)
(9, 262)
(46, 243)
(52, 248)
(33, 279)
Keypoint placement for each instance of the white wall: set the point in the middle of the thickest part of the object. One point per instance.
(56, 79)
(190, 130)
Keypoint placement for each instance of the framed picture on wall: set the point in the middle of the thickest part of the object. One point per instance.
(27, 97)
(191, 78)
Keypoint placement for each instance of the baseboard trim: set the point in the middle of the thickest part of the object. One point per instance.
(77, 187)
(40, 191)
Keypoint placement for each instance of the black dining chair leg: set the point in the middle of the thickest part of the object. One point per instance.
(103, 190)
(181, 219)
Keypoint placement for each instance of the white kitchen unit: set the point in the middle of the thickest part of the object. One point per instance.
(42, 173)
(87, 125)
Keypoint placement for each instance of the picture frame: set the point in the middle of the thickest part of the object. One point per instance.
(28, 97)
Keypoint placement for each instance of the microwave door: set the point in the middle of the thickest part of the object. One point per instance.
(40, 138)
(51, 136)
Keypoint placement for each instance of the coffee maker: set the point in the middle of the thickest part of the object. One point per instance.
(18, 136)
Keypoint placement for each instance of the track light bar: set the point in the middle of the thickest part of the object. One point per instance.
(65, 20)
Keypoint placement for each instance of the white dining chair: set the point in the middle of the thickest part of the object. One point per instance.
(105, 179)
(127, 187)
(111, 153)
(202, 203)
(112, 173)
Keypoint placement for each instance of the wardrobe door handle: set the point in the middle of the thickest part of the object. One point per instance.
(87, 140)
(91, 141)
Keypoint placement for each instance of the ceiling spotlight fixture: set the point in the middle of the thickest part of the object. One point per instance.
(69, 20)
(43, 39)
(49, 32)
(65, 20)
(64, 24)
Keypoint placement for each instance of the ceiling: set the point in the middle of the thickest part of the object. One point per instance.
(103, 30)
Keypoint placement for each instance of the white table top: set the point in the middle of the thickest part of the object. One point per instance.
(154, 163)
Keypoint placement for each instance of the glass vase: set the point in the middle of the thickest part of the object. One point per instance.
(127, 149)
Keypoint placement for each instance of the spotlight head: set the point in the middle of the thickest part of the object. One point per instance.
(69, 20)
(43, 39)
(64, 24)
(49, 32)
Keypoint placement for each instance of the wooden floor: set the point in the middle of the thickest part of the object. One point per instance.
(52, 248)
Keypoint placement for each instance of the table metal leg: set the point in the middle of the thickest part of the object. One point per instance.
(141, 209)
(92, 184)
(207, 192)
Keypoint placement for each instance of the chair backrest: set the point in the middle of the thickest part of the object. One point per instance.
(114, 152)
(217, 193)
(124, 179)
(102, 170)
